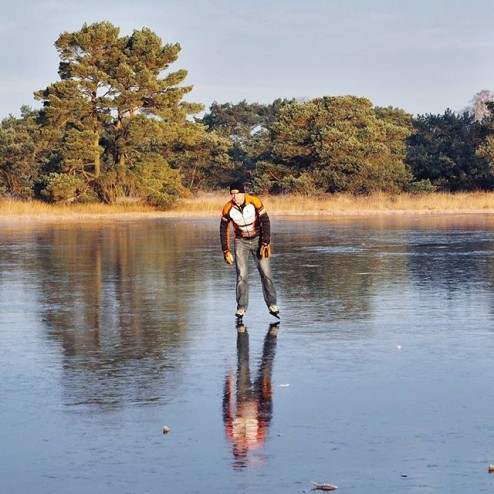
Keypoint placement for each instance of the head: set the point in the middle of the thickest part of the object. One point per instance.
(237, 191)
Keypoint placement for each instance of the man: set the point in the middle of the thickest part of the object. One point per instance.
(252, 232)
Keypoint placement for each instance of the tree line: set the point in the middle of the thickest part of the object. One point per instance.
(116, 126)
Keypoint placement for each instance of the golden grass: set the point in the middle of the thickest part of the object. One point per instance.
(210, 204)
(42, 211)
(349, 204)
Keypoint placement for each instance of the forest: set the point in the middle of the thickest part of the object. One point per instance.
(116, 126)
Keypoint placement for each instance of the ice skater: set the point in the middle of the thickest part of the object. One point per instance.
(252, 233)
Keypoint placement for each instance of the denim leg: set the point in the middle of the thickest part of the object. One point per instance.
(268, 289)
(242, 249)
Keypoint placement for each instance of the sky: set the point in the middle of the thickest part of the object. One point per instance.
(423, 56)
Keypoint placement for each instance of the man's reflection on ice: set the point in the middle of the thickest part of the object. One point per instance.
(247, 405)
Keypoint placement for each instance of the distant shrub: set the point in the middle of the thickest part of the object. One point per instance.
(62, 187)
(421, 187)
(161, 200)
(304, 184)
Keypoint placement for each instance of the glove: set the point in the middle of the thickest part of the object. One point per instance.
(265, 251)
(228, 257)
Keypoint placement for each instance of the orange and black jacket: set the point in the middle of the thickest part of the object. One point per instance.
(249, 221)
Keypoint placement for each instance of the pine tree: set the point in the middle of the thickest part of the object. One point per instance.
(112, 108)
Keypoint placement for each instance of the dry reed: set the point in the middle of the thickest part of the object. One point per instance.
(42, 211)
(210, 204)
(379, 203)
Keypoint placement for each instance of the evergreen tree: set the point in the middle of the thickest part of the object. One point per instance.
(203, 158)
(112, 109)
(444, 151)
(245, 124)
(21, 153)
(340, 144)
(485, 149)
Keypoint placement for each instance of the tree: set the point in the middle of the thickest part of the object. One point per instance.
(478, 106)
(485, 149)
(245, 125)
(112, 93)
(202, 158)
(242, 120)
(342, 144)
(21, 152)
(443, 150)
(236, 121)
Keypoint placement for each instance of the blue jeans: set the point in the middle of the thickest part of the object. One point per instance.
(244, 248)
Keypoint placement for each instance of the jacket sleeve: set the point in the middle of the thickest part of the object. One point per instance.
(224, 232)
(265, 228)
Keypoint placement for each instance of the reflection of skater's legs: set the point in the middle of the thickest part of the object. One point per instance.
(243, 371)
(268, 352)
(247, 406)
(273, 329)
(263, 384)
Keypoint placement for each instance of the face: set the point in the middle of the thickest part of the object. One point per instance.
(238, 198)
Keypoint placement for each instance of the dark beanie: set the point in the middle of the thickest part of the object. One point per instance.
(237, 186)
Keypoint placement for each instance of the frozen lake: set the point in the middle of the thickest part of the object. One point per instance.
(376, 380)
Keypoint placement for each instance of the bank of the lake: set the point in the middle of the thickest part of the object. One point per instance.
(210, 204)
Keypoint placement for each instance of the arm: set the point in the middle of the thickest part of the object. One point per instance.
(224, 234)
(265, 228)
(225, 237)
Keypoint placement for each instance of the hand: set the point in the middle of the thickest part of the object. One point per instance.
(228, 257)
(265, 251)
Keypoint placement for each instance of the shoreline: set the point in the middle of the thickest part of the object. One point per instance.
(210, 205)
(75, 217)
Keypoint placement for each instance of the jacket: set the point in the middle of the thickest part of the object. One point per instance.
(249, 220)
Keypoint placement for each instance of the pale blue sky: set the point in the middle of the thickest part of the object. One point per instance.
(419, 55)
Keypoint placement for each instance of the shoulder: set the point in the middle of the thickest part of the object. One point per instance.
(227, 208)
(255, 201)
